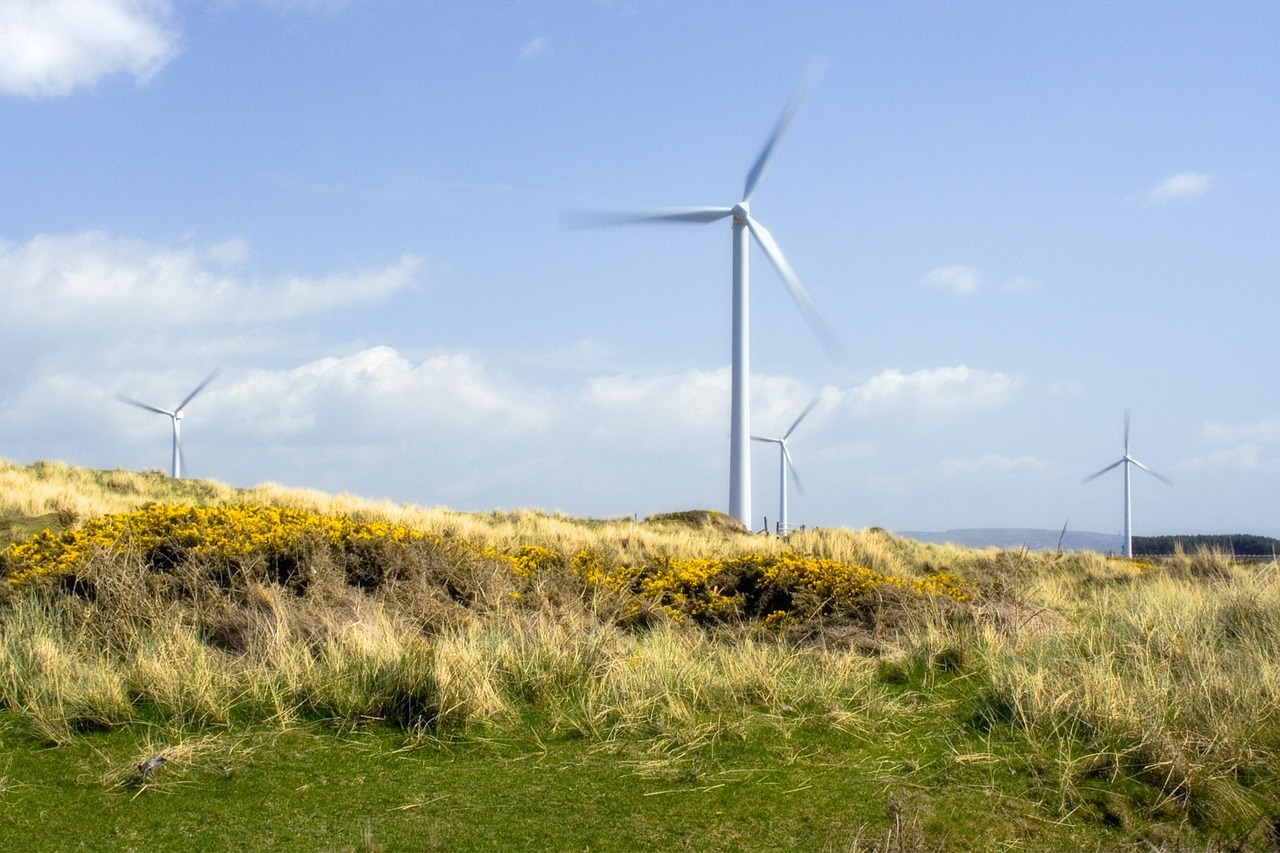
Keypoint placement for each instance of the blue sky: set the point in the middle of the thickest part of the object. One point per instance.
(1019, 217)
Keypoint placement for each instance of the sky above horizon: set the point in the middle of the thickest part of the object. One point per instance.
(1019, 218)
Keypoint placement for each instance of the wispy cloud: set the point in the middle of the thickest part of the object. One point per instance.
(95, 281)
(50, 47)
(938, 389)
(1243, 446)
(958, 279)
(536, 47)
(1181, 185)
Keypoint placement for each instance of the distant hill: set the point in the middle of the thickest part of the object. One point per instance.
(1016, 537)
(1240, 544)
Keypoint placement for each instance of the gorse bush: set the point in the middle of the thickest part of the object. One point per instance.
(166, 536)
(234, 545)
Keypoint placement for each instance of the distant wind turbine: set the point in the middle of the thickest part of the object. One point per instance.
(175, 415)
(785, 464)
(743, 222)
(1126, 461)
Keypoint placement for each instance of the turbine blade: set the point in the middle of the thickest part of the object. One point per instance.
(1126, 432)
(796, 422)
(199, 388)
(141, 405)
(1161, 477)
(791, 466)
(605, 219)
(797, 290)
(1098, 474)
(798, 97)
(766, 440)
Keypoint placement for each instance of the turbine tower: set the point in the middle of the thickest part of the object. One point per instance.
(784, 465)
(175, 415)
(743, 223)
(1126, 461)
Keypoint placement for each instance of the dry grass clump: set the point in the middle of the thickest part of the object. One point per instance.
(1168, 679)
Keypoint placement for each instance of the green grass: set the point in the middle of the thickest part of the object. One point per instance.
(311, 788)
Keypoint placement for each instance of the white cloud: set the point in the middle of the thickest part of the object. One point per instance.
(49, 47)
(1244, 446)
(93, 281)
(939, 389)
(690, 403)
(536, 47)
(1181, 185)
(379, 394)
(959, 279)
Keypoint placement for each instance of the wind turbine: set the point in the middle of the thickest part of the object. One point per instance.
(1126, 461)
(785, 464)
(175, 415)
(743, 222)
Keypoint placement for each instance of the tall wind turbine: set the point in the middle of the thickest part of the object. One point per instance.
(1126, 461)
(175, 415)
(743, 222)
(785, 464)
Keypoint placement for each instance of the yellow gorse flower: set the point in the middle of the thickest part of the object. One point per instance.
(167, 534)
(773, 588)
(764, 586)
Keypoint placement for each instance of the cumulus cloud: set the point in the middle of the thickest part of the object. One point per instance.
(958, 279)
(379, 393)
(536, 47)
(1181, 185)
(93, 280)
(938, 389)
(49, 47)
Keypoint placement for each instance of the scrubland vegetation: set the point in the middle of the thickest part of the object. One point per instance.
(522, 679)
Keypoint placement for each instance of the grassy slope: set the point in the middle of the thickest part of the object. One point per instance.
(962, 737)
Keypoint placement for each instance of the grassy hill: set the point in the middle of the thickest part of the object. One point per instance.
(182, 663)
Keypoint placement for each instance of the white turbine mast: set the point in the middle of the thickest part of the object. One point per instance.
(785, 465)
(1126, 461)
(175, 415)
(743, 222)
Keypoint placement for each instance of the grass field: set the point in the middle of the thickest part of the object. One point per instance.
(326, 673)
